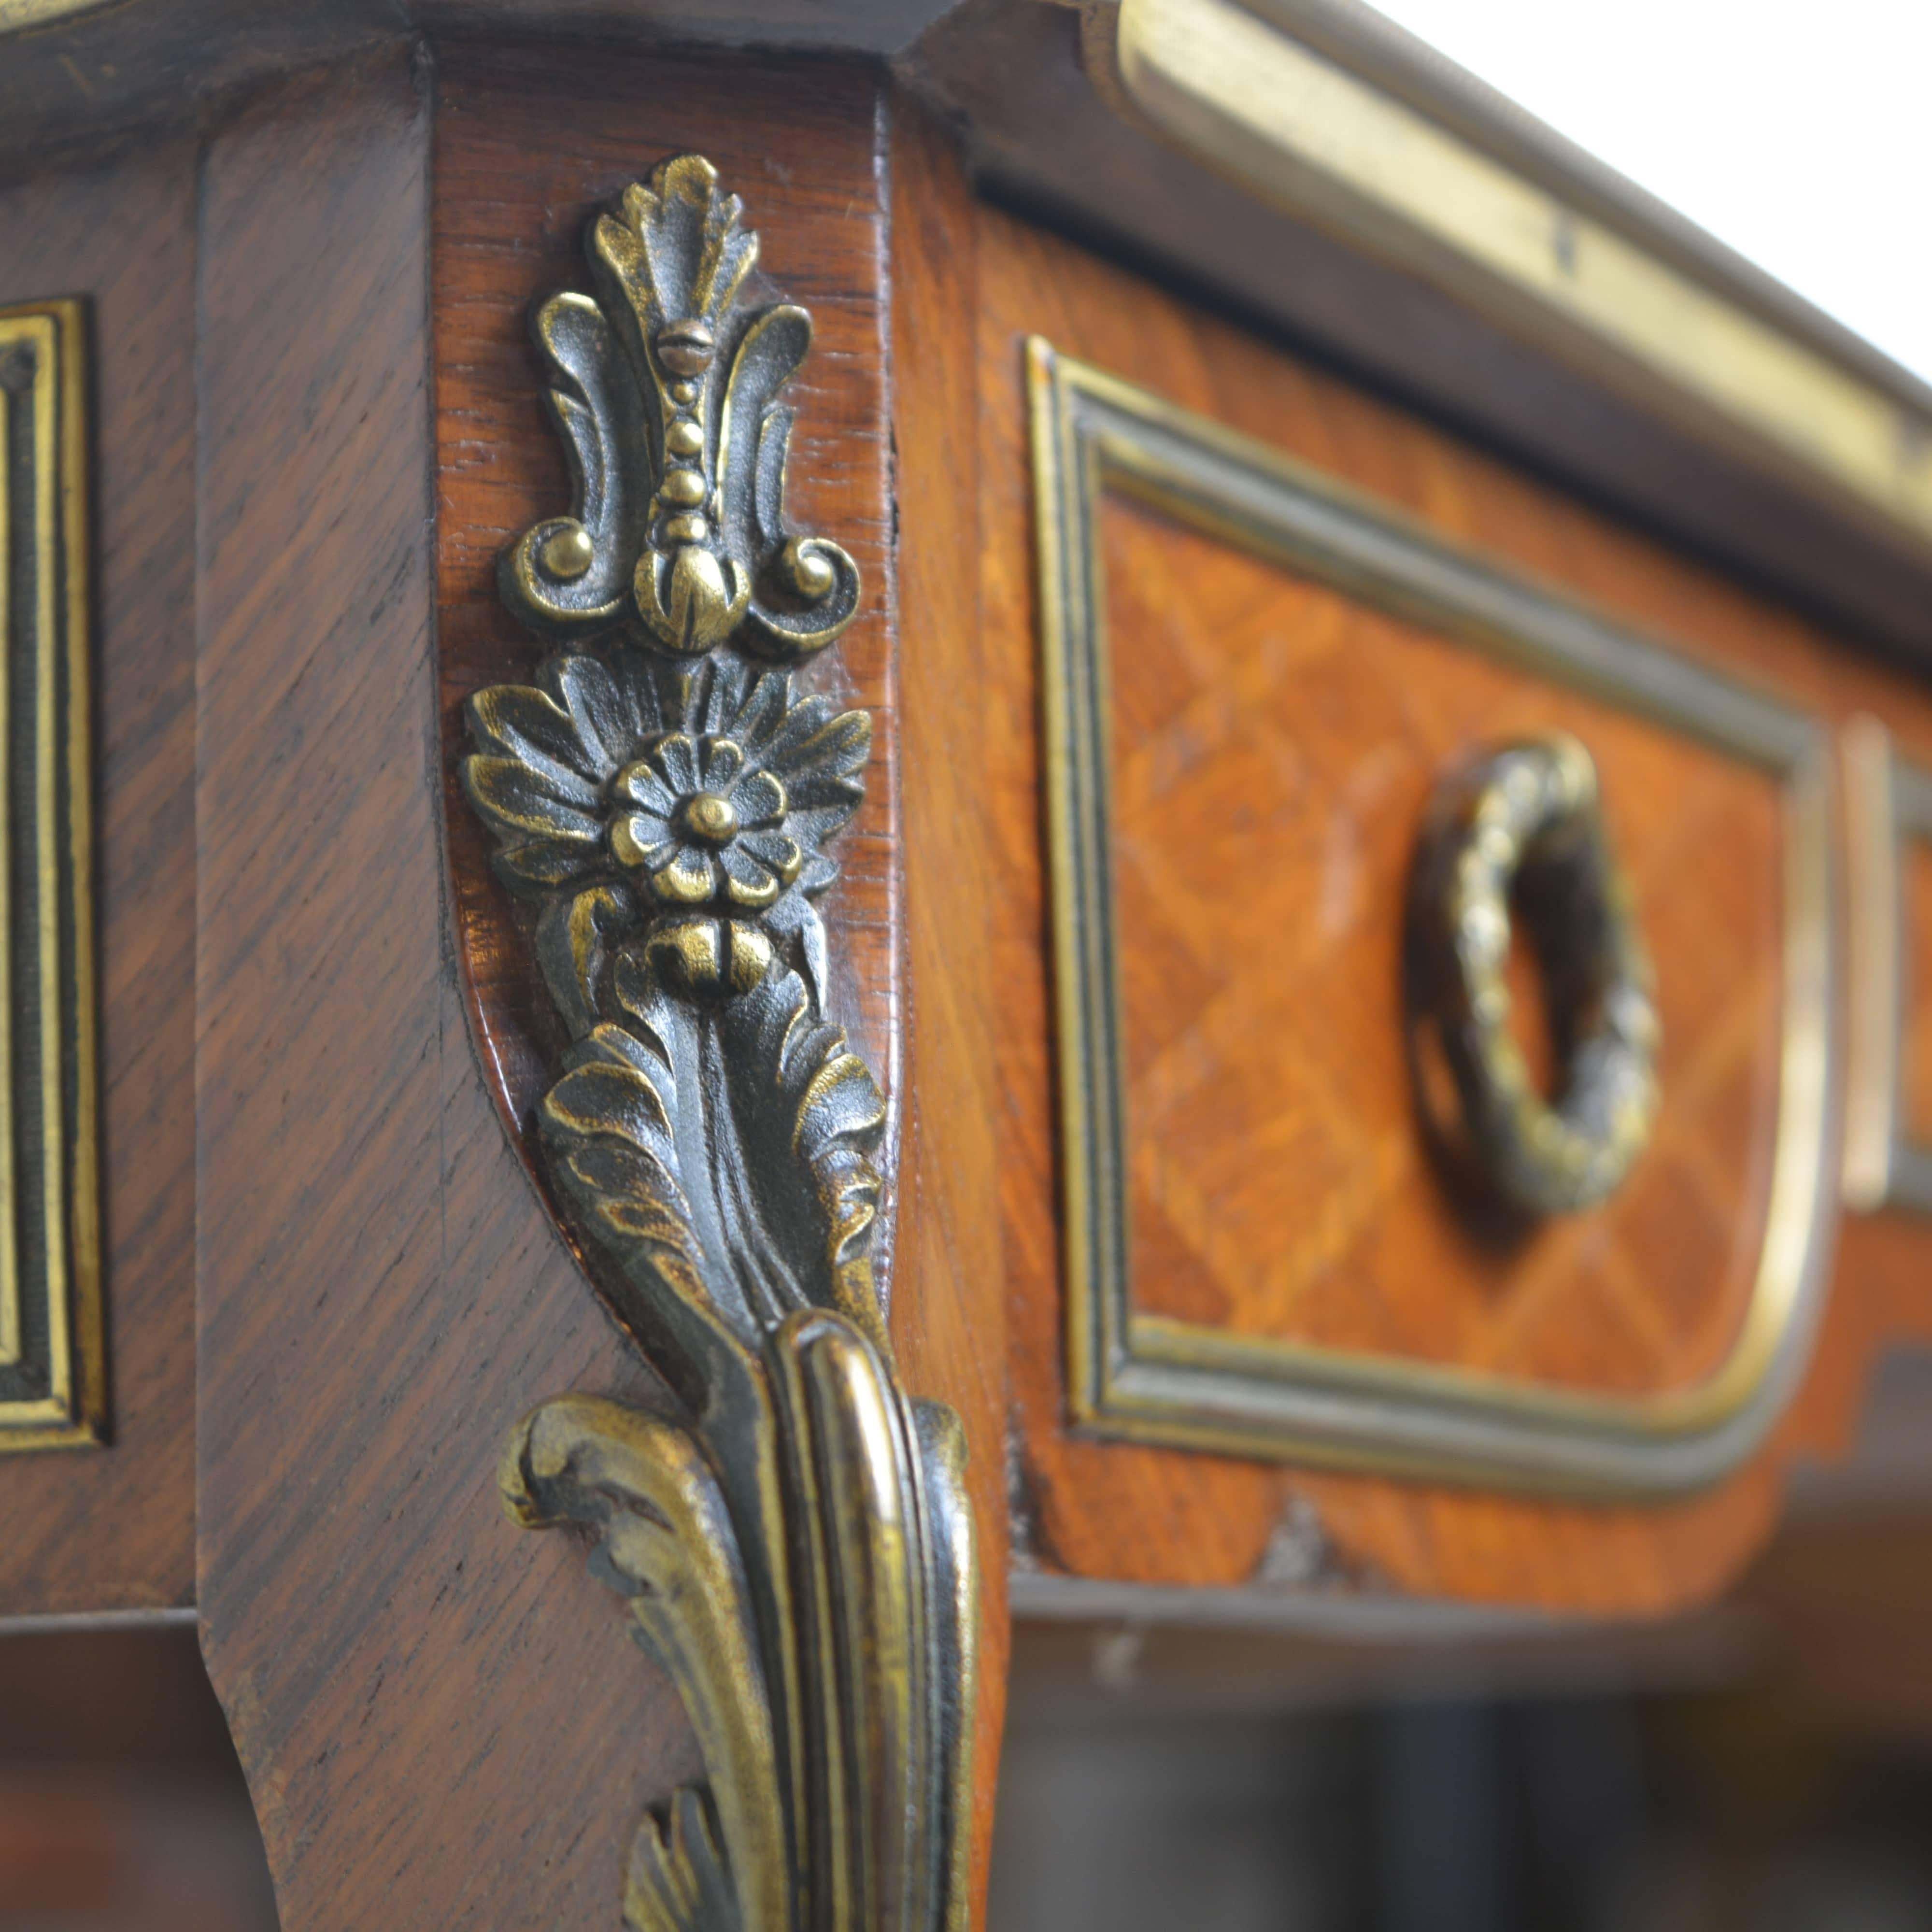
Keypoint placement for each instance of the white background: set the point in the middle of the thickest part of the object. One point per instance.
(1799, 133)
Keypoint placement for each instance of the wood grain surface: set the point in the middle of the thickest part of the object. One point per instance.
(442, 1720)
(1276, 746)
(1109, 1510)
(950, 1315)
(113, 1528)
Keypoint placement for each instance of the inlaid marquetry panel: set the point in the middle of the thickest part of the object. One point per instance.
(1256, 679)
(1276, 745)
(52, 1372)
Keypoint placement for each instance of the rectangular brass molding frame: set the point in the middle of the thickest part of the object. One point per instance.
(1155, 1379)
(52, 1357)
(1230, 87)
(1888, 803)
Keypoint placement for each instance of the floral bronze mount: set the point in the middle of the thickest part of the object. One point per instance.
(795, 1545)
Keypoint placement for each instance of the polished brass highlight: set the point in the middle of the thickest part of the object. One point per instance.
(1524, 826)
(1159, 1380)
(1227, 82)
(16, 16)
(1888, 804)
(53, 1375)
(797, 1548)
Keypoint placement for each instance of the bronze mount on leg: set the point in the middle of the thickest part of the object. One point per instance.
(796, 1546)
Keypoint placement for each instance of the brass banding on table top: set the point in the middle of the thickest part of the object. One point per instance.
(1305, 133)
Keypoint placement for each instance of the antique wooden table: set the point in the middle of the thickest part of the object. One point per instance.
(943, 812)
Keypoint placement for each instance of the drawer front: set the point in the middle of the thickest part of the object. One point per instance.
(1310, 1213)
(1269, 1320)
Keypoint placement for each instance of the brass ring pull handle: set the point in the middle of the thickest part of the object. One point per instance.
(1520, 832)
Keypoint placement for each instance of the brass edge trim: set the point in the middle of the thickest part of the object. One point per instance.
(84, 1176)
(61, 1623)
(10, 1331)
(1911, 1178)
(1161, 1380)
(1067, 583)
(73, 1413)
(1888, 805)
(1396, 61)
(48, 529)
(1246, 99)
(1872, 881)
(20, 17)
(1358, 1617)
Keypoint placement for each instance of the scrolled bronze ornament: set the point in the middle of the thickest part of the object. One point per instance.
(796, 1547)
(664, 391)
(1520, 832)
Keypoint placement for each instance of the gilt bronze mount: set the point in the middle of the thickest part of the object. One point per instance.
(795, 1544)
(1522, 830)
(664, 390)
